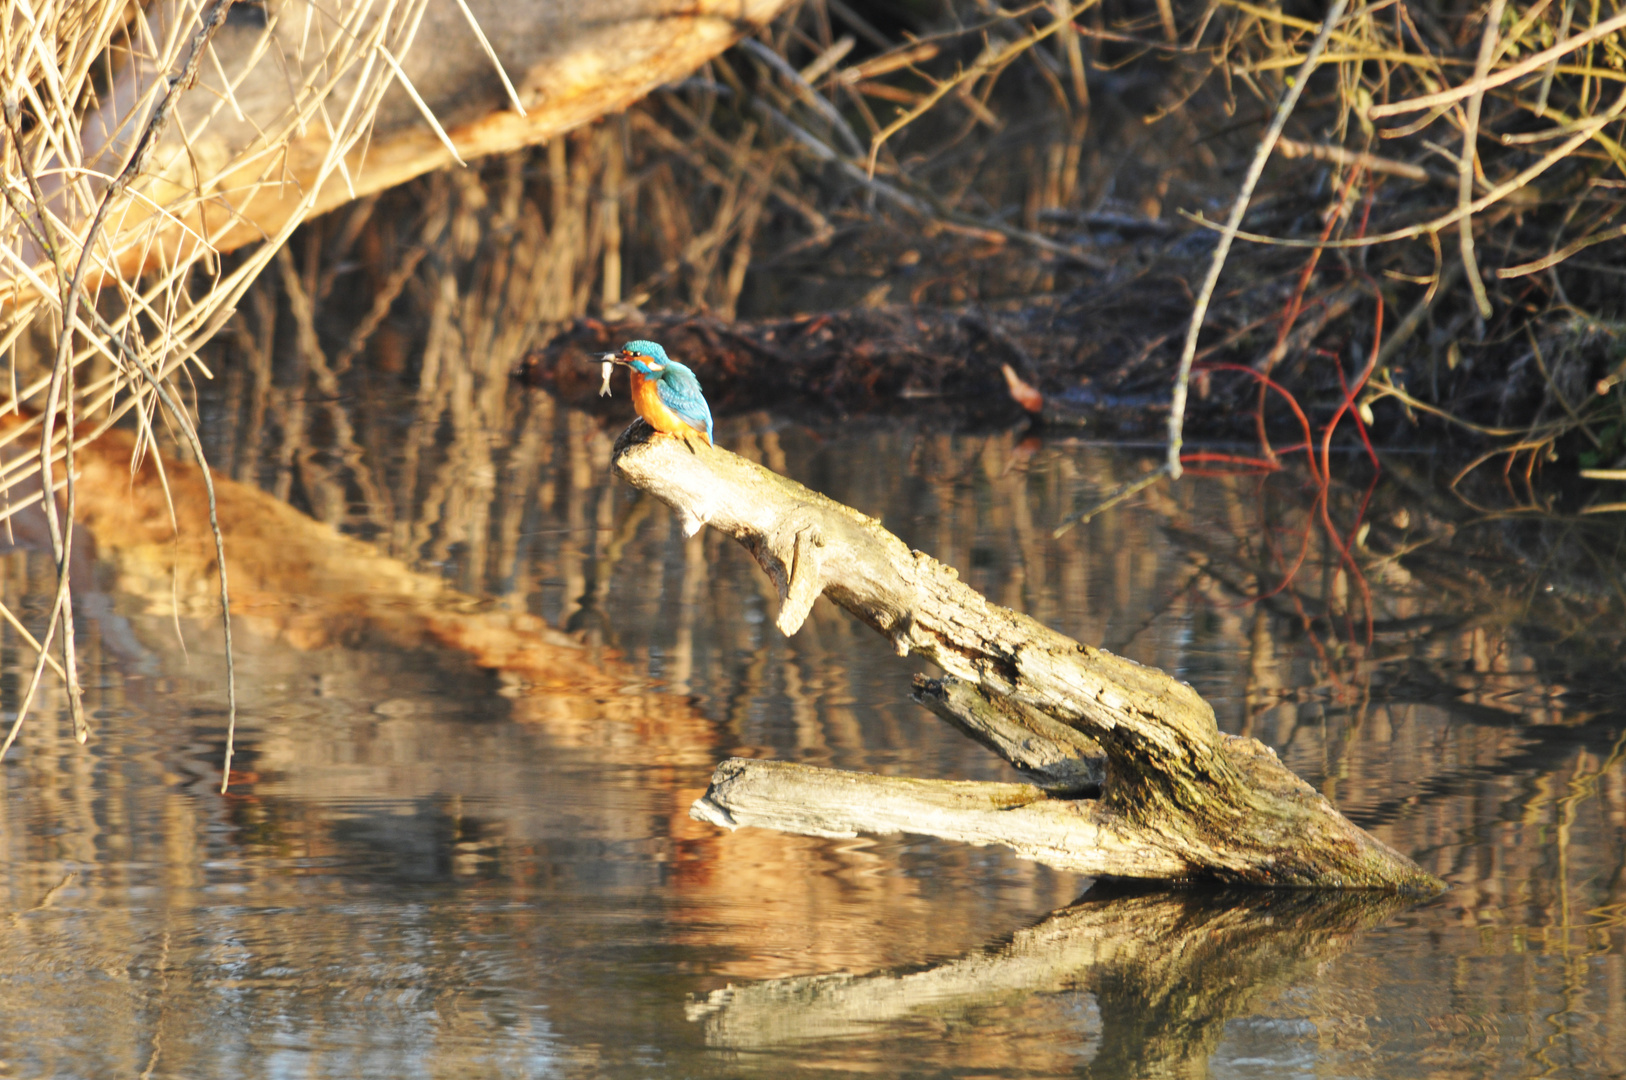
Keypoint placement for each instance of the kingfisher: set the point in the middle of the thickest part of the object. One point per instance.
(665, 392)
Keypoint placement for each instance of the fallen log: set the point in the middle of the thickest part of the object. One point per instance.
(889, 361)
(303, 107)
(1178, 798)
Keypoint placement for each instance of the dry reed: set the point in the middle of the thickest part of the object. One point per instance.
(92, 187)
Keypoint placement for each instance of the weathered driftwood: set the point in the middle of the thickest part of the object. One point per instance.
(1167, 973)
(1179, 798)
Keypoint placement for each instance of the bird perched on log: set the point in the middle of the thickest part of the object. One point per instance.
(665, 392)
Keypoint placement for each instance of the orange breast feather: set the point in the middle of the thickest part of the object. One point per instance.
(650, 406)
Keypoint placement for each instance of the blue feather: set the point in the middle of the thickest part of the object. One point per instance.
(679, 391)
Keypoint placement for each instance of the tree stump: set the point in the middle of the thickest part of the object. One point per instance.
(1130, 775)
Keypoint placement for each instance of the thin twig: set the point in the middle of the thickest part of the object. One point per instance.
(1502, 77)
(1573, 248)
(1411, 232)
(1177, 407)
(423, 108)
(1414, 318)
(1293, 148)
(1116, 496)
(991, 60)
(182, 417)
(210, 20)
(1470, 154)
(491, 54)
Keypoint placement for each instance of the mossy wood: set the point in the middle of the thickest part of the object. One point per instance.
(1177, 797)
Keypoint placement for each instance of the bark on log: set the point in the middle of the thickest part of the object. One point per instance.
(1180, 798)
(1060, 759)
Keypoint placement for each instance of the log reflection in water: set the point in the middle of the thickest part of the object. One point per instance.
(1167, 970)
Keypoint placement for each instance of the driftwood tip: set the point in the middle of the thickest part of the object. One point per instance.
(703, 809)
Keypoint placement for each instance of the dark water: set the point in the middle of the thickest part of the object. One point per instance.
(438, 862)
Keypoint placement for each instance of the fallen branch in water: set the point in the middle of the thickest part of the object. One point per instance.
(1178, 798)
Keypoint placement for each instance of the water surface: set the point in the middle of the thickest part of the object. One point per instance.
(435, 861)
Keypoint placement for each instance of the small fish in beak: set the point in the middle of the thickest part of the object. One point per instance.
(609, 366)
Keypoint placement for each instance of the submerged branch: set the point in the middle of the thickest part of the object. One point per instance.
(1080, 835)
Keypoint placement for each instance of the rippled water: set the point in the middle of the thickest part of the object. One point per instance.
(458, 842)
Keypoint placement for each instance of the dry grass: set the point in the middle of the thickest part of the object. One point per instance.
(84, 203)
